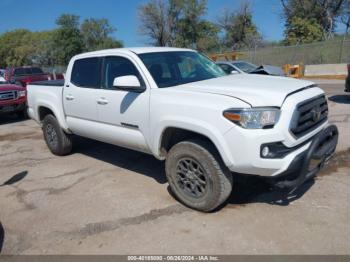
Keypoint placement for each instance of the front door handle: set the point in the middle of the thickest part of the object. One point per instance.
(102, 101)
(69, 97)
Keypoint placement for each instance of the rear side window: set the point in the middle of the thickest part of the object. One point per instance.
(86, 72)
(37, 70)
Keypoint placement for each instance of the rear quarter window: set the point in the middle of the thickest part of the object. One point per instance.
(86, 72)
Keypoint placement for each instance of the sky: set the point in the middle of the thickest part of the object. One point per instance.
(38, 15)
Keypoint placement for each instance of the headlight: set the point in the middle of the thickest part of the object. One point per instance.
(253, 118)
(21, 93)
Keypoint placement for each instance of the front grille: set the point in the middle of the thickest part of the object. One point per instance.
(8, 95)
(309, 115)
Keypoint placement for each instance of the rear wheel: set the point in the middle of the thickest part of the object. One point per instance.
(57, 140)
(197, 175)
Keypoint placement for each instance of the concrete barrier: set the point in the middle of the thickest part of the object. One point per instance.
(326, 70)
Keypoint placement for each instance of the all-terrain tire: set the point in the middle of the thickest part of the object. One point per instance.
(216, 175)
(57, 140)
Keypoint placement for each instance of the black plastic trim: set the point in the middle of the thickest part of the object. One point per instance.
(322, 148)
(295, 117)
(281, 150)
(58, 83)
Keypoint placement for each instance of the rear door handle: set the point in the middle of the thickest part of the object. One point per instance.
(102, 101)
(69, 97)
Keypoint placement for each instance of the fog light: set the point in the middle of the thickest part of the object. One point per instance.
(265, 151)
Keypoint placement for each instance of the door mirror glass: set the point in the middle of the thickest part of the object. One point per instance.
(128, 83)
(234, 72)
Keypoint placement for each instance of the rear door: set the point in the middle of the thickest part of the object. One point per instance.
(80, 95)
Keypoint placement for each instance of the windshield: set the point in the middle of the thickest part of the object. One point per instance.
(2, 80)
(177, 68)
(245, 66)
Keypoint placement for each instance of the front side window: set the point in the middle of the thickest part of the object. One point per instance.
(180, 67)
(86, 72)
(116, 66)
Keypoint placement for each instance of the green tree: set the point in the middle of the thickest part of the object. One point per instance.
(322, 12)
(208, 39)
(191, 25)
(96, 34)
(239, 29)
(43, 44)
(178, 23)
(175, 12)
(55, 47)
(66, 40)
(155, 22)
(16, 48)
(303, 31)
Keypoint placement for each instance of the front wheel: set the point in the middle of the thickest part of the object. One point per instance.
(57, 140)
(197, 176)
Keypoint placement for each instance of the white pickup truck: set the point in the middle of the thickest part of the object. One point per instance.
(179, 106)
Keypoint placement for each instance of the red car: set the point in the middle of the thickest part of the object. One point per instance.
(13, 99)
(27, 74)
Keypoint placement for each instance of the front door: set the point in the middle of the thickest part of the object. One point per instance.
(124, 114)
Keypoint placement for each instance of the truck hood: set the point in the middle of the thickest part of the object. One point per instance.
(255, 90)
(10, 87)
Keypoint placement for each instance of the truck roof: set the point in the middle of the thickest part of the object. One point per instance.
(136, 50)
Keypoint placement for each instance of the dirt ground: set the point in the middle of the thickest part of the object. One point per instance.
(103, 199)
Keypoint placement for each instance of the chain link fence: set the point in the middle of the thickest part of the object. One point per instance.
(54, 69)
(328, 52)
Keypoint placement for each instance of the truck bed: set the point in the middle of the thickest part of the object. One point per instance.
(47, 94)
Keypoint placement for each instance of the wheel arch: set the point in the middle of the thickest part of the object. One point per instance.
(44, 109)
(172, 135)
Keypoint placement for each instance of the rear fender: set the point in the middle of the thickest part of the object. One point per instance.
(57, 113)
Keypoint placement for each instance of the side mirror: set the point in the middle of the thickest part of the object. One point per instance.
(128, 83)
(234, 72)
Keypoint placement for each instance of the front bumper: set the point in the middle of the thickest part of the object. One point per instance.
(12, 108)
(307, 164)
(244, 145)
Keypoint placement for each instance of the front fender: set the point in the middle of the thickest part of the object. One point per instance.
(214, 134)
